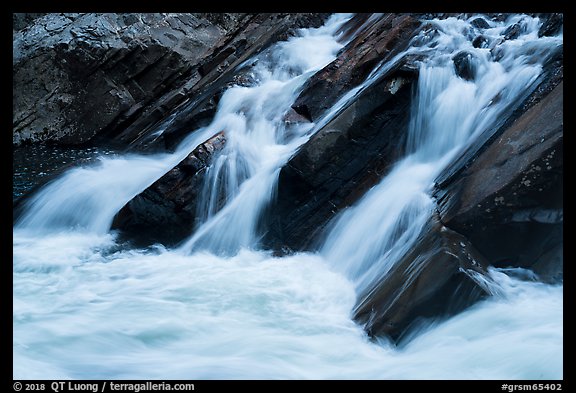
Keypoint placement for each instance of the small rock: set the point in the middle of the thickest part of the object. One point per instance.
(480, 23)
(480, 42)
(464, 65)
(513, 32)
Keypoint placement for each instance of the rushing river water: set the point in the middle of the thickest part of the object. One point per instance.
(217, 306)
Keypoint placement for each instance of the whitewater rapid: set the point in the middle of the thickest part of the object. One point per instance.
(84, 310)
(217, 307)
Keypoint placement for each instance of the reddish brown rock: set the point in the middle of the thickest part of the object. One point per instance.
(377, 41)
(437, 278)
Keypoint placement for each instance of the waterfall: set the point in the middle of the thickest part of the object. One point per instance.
(259, 142)
(219, 307)
(448, 113)
(87, 198)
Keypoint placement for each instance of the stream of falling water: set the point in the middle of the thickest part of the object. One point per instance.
(219, 308)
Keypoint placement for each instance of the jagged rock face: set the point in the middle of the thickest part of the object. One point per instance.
(340, 162)
(76, 75)
(377, 40)
(508, 201)
(166, 211)
(438, 277)
(81, 75)
(353, 151)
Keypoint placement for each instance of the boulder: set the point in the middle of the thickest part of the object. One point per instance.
(480, 42)
(464, 65)
(341, 161)
(439, 276)
(166, 211)
(480, 23)
(513, 32)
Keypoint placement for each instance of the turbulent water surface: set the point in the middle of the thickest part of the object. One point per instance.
(219, 307)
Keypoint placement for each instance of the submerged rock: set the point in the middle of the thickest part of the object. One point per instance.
(480, 42)
(464, 65)
(513, 32)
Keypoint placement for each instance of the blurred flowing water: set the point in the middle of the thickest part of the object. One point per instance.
(218, 306)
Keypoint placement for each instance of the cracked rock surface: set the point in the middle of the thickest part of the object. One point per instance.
(116, 76)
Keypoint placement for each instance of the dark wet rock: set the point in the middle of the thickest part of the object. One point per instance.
(166, 211)
(378, 41)
(464, 65)
(76, 76)
(480, 42)
(356, 24)
(341, 161)
(499, 17)
(552, 26)
(427, 33)
(119, 76)
(499, 204)
(480, 23)
(21, 20)
(508, 198)
(194, 104)
(354, 150)
(513, 32)
(293, 117)
(551, 76)
(438, 277)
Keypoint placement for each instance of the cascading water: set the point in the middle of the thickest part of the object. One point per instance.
(448, 113)
(217, 307)
(258, 142)
(87, 198)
